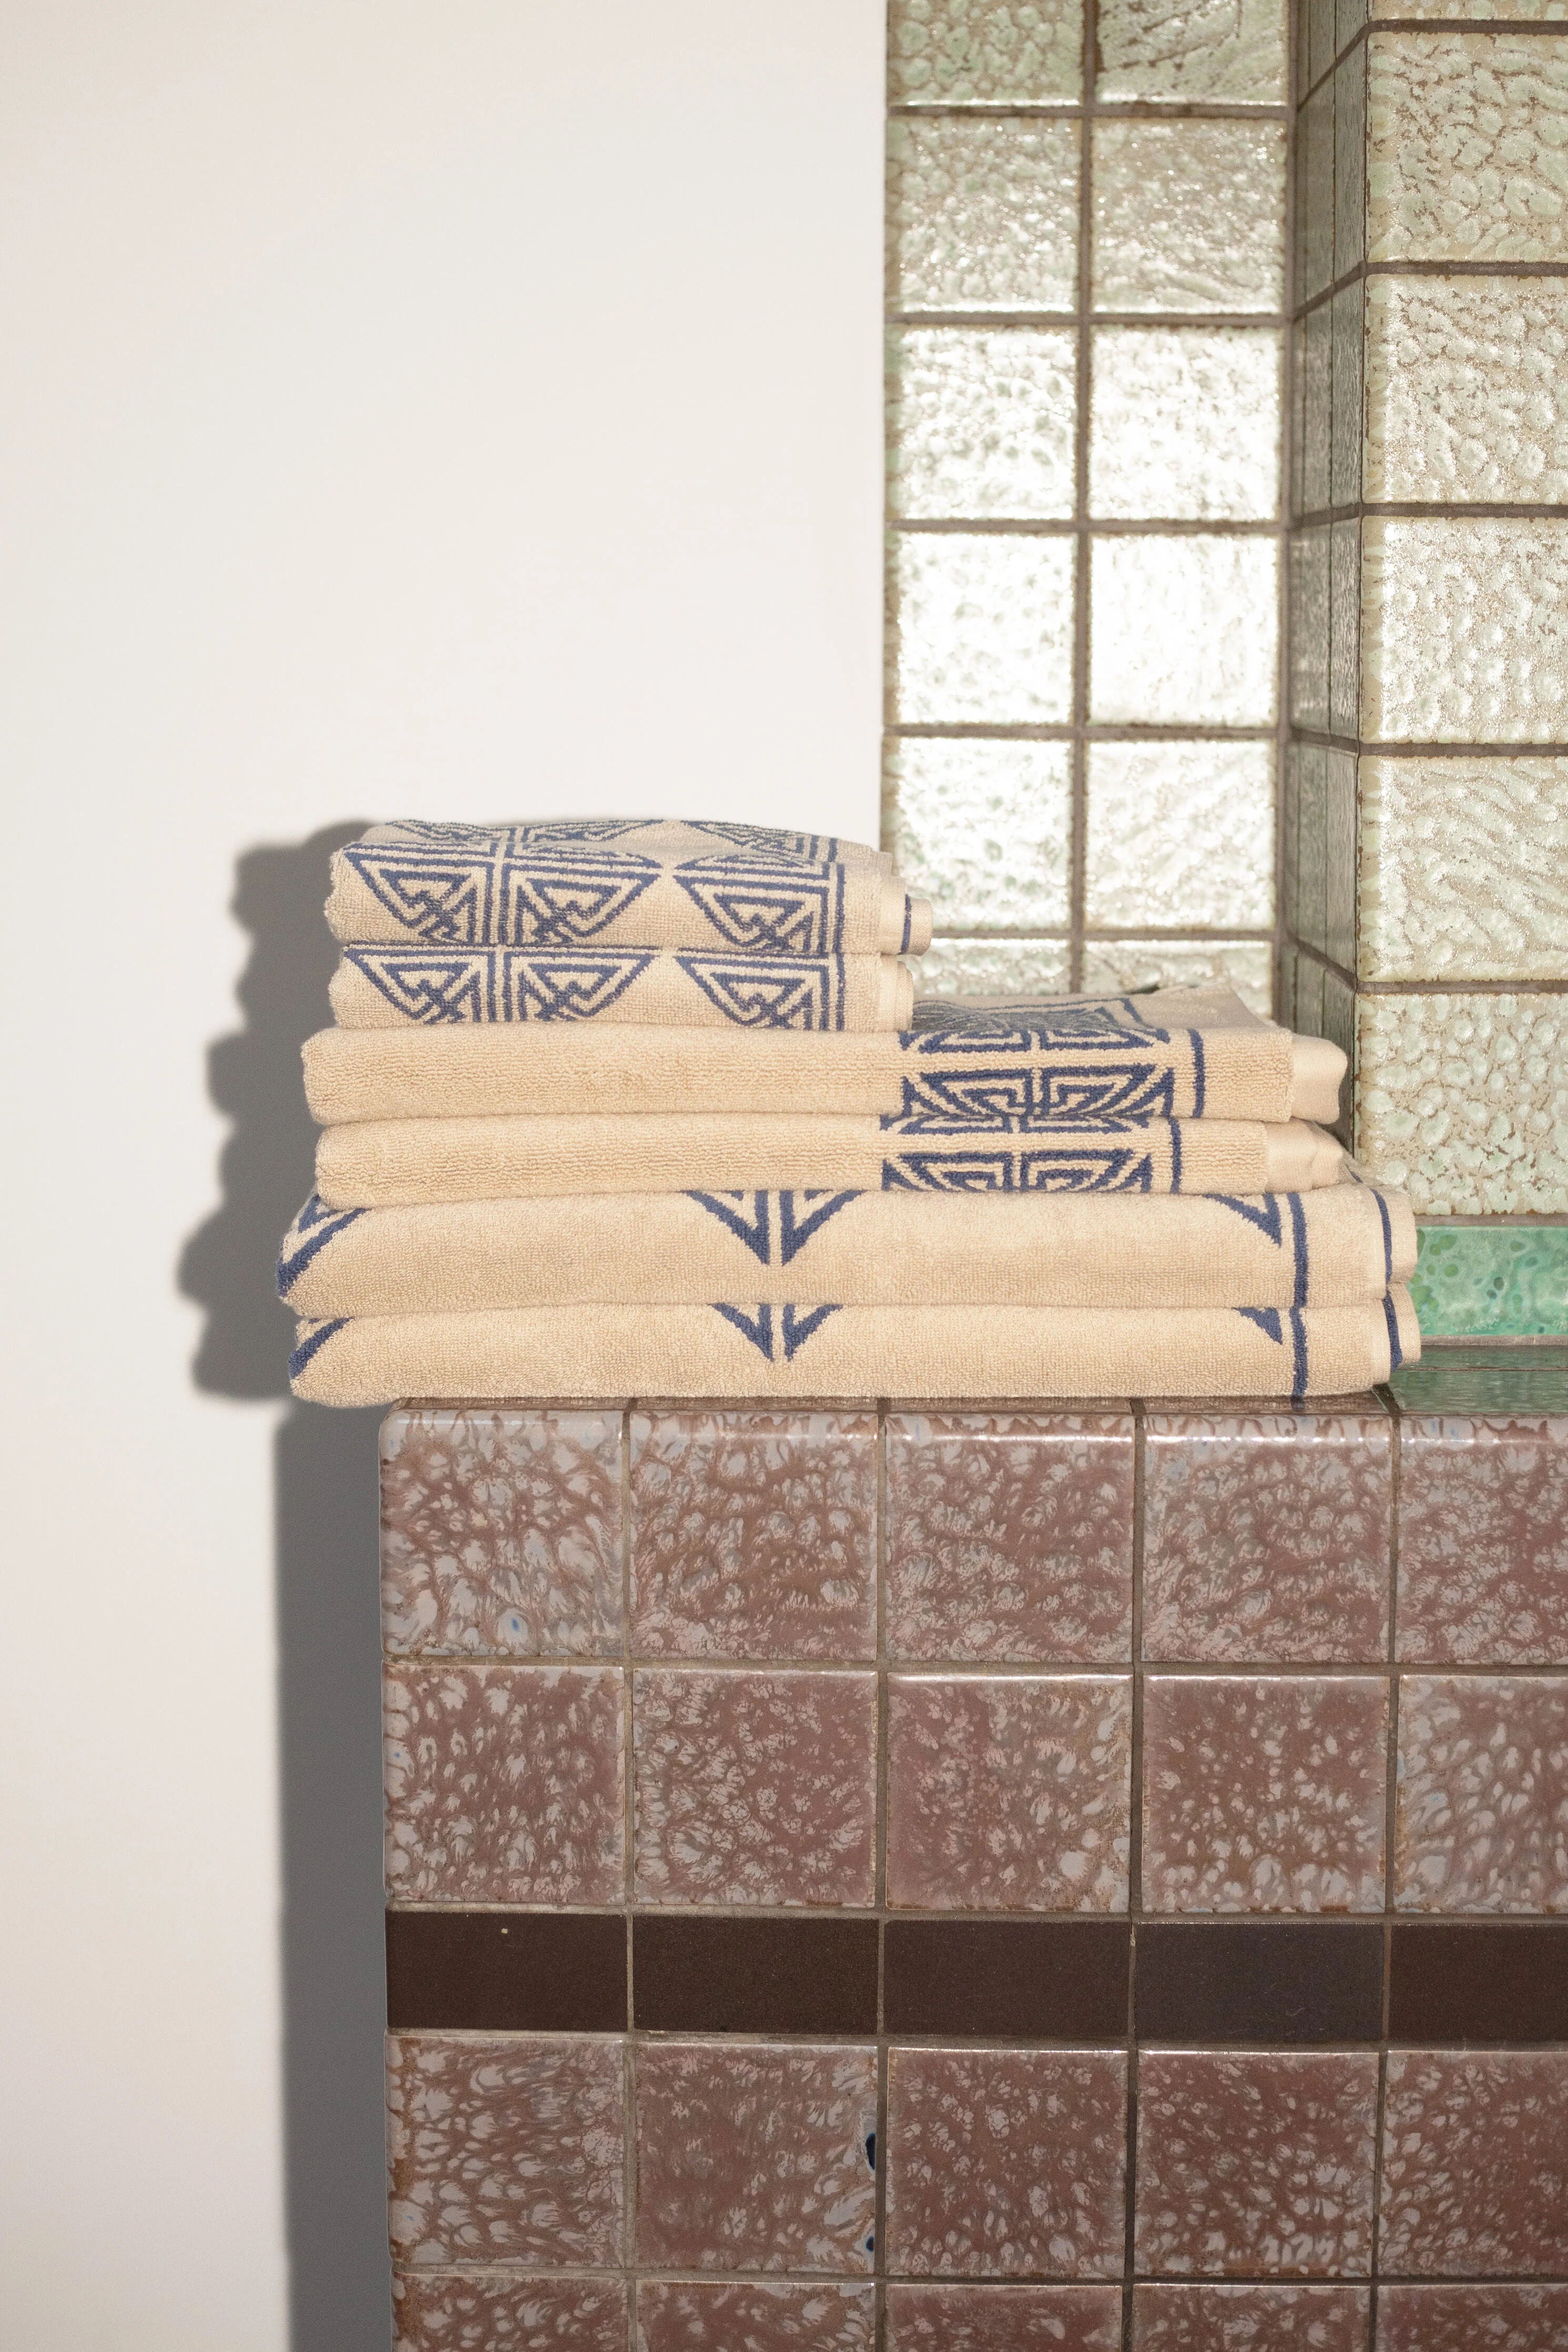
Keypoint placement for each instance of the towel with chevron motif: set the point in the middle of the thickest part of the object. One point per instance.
(623, 882)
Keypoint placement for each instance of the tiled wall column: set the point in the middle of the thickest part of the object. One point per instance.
(1426, 802)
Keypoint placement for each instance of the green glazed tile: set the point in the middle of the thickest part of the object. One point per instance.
(1485, 1379)
(1492, 1281)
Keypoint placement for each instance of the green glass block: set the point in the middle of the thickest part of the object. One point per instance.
(1485, 1379)
(1492, 1281)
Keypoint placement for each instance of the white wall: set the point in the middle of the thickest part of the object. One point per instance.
(459, 408)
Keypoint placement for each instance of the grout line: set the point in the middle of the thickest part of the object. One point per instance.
(1092, 108)
(1155, 320)
(1066, 731)
(1103, 525)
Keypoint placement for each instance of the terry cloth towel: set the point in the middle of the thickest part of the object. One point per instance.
(384, 987)
(399, 1163)
(610, 883)
(1344, 1245)
(1177, 1051)
(916, 1352)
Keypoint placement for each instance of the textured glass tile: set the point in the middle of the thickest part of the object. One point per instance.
(984, 52)
(1316, 398)
(981, 628)
(1339, 1028)
(1502, 1282)
(983, 829)
(982, 216)
(1344, 628)
(1185, 423)
(1339, 859)
(1309, 629)
(1307, 1014)
(1245, 965)
(1184, 631)
(1180, 835)
(1318, 30)
(1463, 1101)
(1189, 216)
(1350, 15)
(980, 421)
(1465, 630)
(1465, 147)
(1465, 389)
(1218, 48)
(1290, 810)
(1312, 845)
(993, 967)
(1485, 1378)
(1297, 362)
(1464, 869)
(1350, 163)
(1316, 133)
(1347, 431)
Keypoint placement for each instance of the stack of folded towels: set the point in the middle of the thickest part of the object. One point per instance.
(621, 1107)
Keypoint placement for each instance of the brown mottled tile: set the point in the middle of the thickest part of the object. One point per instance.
(509, 2149)
(498, 2311)
(1483, 1538)
(755, 2156)
(500, 1532)
(1491, 2318)
(706, 2316)
(753, 1535)
(1481, 1816)
(503, 1784)
(1475, 2162)
(1003, 2318)
(1249, 2319)
(1008, 1792)
(1007, 2163)
(1266, 1536)
(1010, 1537)
(1264, 1792)
(755, 1787)
(1256, 2161)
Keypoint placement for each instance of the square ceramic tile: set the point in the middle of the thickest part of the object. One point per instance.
(708, 2316)
(1464, 137)
(1185, 423)
(1249, 2319)
(982, 216)
(506, 2149)
(1010, 1537)
(753, 1535)
(504, 1784)
(1008, 1792)
(498, 2311)
(1463, 389)
(755, 1787)
(1464, 629)
(1213, 661)
(1483, 1538)
(1481, 1822)
(1258, 2162)
(1462, 2318)
(1462, 1102)
(1189, 217)
(1172, 52)
(500, 1532)
(981, 829)
(1180, 833)
(1264, 1792)
(755, 2157)
(1464, 868)
(1007, 2163)
(980, 421)
(983, 52)
(981, 628)
(1003, 2318)
(1475, 2157)
(1266, 1537)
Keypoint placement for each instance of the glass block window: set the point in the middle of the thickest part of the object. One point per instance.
(1086, 290)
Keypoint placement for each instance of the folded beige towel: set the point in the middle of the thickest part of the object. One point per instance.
(917, 1352)
(698, 988)
(624, 882)
(1178, 1053)
(1342, 1245)
(399, 1163)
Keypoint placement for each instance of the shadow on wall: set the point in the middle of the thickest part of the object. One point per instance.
(328, 1699)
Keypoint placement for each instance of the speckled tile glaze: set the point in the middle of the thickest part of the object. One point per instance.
(1008, 1793)
(1465, 629)
(1010, 1537)
(1180, 833)
(1483, 1538)
(980, 421)
(754, 2157)
(1189, 216)
(983, 52)
(982, 216)
(753, 1535)
(1464, 868)
(1481, 1821)
(1003, 2163)
(497, 2311)
(1249, 2319)
(982, 830)
(1003, 2318)
(1464, 378)
(1213, 661)
(1259, 2162)
(971, 967)
(1264, 1793)
(1266, 1536)
(1475, 2163)
(1491, 2318)
(755, 1787)
(1486, 1281)
(500, 1532)
(1110, 966)
(1465, 136)
(503, 1784)
(1462, 1102)
(506, 2149)
(1185, 423)
(1151, 48)
(981, 628)
(707, 2315)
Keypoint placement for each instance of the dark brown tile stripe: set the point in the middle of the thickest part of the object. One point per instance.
(1257, 1981)
(706, 1974)
(1478, 1980)
(1047, 1980)
(499, 1971)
